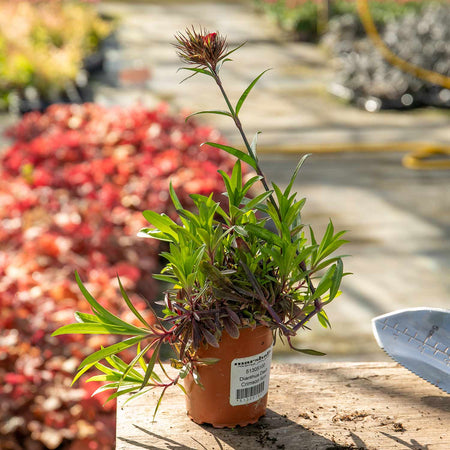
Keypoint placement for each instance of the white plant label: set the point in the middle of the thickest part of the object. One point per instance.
(250, 378)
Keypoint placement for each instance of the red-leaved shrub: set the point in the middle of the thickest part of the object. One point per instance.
(73, 185)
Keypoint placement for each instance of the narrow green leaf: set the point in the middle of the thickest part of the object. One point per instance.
(86, 318)
(102, 312)
(235, 152)
(182, 388)
(336, 279)
(264, 234)
(254, 144)
(138, 394)
(324, 283)
(173, 195)
(104, 369)
(81, 372)
(221, 63)
(236, 178)
(308, 351)
(323, 319)
(232, 51)
(130, 305)
(116, 362)
(151, 365)
(247, 91)
(166, 278)
(161, 221)
(256, 200)
(95, 328)
(154, 233)
(108, 351)
(250, 183)
(222, 113)
(196, 71)
(294, 175)
(121, 392)
(158, 403)
(135, 360)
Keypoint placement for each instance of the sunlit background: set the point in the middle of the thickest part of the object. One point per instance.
(92, 111)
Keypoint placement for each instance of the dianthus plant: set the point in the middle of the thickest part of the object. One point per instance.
(246, 262)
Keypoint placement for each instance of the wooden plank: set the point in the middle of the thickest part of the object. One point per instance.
(311, 406)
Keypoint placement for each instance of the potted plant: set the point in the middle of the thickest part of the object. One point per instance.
(241, 273)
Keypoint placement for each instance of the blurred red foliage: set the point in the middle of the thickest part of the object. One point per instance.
(72, 188)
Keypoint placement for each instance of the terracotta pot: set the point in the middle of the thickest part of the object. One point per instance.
(235, 388)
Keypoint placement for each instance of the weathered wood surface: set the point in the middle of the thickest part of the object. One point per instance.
(311, 406)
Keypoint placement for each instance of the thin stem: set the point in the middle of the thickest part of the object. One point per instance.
(238, 124)
(244, 138)
(317, 309)
(317, 302)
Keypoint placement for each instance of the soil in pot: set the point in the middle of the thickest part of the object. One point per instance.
(235, 388)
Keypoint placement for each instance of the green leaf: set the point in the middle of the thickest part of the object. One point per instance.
(232, 51)
(153, 233)
(130, 367)
(294, 175)
(327, 237)
(236, 179)
(86, 318)
(264, 234)
(235, 152)
(95, 328)
(137, 394)
(108, 351)
(308, 351)
(323, 319)
(161, 221)
(81, 372)
(254, 144)
(122, 392)
(247, 91)
(324, 283)
(250, 183)
(100, 311)
(196, 71)
(221, 63)
(130, 305)
(223, 113)
(151, 365)
(158, 403)
(166, 278)
(336, 279)
(173, 195)
(256, 200)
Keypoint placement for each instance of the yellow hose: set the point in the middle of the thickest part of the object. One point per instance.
(389, 56)
(422, 155)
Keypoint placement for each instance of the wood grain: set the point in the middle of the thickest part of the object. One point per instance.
(311, 406)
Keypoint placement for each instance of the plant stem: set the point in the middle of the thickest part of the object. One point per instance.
(244, 138)
(317, 309)
(317, 302)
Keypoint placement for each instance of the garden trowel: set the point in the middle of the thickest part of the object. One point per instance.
(419, 339)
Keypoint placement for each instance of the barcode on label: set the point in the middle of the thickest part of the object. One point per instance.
(250, 391)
